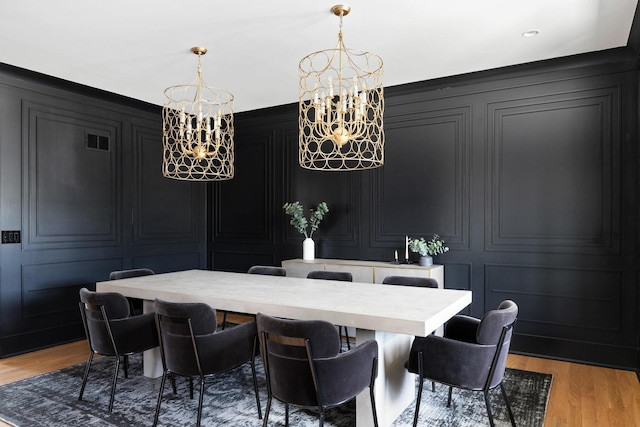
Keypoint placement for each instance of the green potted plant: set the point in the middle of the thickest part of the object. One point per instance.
(427, 249)
(300, 223)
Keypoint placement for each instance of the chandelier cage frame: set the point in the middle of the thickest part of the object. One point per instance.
(198, 131)
(341, 108)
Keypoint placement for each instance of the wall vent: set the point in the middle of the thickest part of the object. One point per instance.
(97, 142)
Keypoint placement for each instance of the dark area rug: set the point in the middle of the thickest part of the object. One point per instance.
(52, 400)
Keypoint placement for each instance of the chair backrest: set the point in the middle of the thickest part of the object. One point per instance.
(496, 328)
(190, 345)
(343, 276)
(267, 270)
(491, 324)
(96, 309)
(178, 325)
(288, 348)
(425, 282)
(125, 274)
(203, 316)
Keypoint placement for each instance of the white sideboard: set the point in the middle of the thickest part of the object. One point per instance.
(364, 271)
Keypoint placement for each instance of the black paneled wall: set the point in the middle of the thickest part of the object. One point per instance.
(530, 174)
(81, 180)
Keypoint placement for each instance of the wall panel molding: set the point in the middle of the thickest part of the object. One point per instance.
(74, 167)
(164, 209)
(243, 206)
(241, 260)
(70, 189)
(581, 304)
(50, 290)
(427, 191)
(163, 261)
(458, 275)
(529, 137)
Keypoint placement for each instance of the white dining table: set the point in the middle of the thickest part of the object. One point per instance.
(391, 315)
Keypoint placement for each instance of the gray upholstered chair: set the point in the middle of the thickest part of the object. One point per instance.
(126, 274)
(265, 270)
(472, 355)
(425, 282)
(342, 276)
(304, 366)
(112, 331)
(134, 303)
(192, 347)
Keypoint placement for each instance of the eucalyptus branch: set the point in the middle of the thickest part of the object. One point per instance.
(298, 220)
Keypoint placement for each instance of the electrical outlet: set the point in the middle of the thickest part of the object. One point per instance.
(10, 236)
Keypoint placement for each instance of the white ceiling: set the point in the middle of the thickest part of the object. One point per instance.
(137, 48)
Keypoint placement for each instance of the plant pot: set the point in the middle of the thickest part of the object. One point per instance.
(425, 261)
(308, 249)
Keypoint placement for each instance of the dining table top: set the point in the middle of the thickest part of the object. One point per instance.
(398, 309)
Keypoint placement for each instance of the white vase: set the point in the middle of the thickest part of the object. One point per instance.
(308, 249)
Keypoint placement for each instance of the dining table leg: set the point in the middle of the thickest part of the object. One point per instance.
(395, 387)
(151, 359)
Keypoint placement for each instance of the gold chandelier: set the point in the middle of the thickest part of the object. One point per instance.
(197, 131)
(341, 108)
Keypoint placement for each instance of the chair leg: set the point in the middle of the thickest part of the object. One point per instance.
(190, 388)
(374, 410)
(346, 334)
(255, 386)
(506, 400)
(126, 366)
(418, 399)
(486, 401)
(224, 320)
(421, 384)
(286, 415)
(113, 383)
(265, 420)
(86, 374)
(433, 386)
(164, 378)
(321, 418)
(200, 401)
(449, 399)
(172, 378)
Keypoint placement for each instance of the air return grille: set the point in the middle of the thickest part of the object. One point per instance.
(97, 142)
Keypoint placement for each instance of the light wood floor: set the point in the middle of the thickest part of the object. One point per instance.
(581, 395)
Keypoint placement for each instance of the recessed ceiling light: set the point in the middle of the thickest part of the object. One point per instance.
(530, 33)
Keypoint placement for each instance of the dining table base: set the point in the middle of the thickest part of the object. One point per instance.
(151, 359)
(395, 387)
